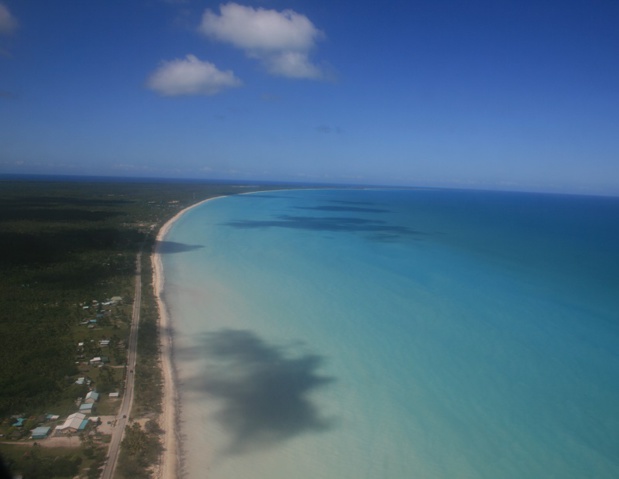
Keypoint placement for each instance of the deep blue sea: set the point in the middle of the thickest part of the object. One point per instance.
(398, 334)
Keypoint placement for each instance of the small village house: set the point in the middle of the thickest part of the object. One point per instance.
(74, 423)
(87, 408)
(40, 432)
(91, 397)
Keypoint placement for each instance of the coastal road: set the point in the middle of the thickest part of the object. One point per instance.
(127, 400)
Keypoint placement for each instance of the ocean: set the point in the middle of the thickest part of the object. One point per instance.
(397, 334)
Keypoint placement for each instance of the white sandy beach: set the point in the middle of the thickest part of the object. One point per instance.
(170, 461)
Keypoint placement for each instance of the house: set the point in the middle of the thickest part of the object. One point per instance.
(80, 381)
(87, 408)
(104, 342)
(52, 417)
(19, 422)
(114, 395)
(95, 361)
(74, 423)
(40, 432)
(91, 397)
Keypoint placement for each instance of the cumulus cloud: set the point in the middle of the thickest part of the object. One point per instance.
(281, 40)
(8, 23)
(191, 76)
(293, 65)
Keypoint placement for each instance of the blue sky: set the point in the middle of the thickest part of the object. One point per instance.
(481, 94)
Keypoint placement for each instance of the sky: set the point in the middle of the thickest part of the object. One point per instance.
(501, 94)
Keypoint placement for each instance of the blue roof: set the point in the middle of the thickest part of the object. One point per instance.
(40, 431)
(19, 422)
(83, 425)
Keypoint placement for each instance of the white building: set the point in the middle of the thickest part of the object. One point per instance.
(91, 397)
(72, 424)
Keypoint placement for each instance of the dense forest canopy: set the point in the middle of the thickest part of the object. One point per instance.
(64, 244)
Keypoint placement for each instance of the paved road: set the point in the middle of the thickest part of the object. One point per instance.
(127, 401)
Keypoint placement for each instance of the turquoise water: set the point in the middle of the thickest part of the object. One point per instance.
(397, 334)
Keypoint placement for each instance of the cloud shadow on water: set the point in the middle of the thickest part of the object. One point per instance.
(348, 202)
(258, 195)
(169, 247)
(264, 392)
(352, 209)
(375, 229)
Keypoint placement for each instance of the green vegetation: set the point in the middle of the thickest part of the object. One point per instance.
(66, 249)
(36, 462)
(140, 451)
(148, 375)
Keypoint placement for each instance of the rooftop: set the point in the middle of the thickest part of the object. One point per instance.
(40, 431)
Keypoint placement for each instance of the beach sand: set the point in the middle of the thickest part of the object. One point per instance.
(170, 466)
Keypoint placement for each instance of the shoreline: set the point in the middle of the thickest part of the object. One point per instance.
(171, 463)
(170, 466)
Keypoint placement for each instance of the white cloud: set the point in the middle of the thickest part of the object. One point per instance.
(190, 76)
(8, 23)
(260, 29)
(281, 40)
(293, 65)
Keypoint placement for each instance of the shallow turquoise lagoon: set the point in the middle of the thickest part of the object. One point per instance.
(397, 334)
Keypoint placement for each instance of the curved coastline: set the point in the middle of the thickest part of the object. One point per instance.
(170, 466)
(171, 462)
(438, 259)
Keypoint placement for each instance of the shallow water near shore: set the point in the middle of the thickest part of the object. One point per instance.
(382, 333)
